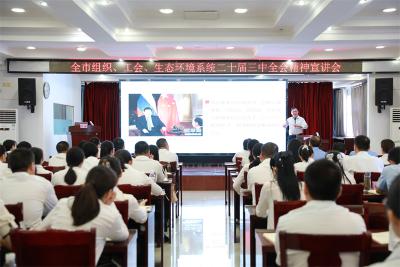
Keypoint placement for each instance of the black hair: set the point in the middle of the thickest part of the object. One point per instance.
(106, 148)
(393, 197)
(141, 148)
(339, 146)
(256, 151)
(250, 145)
(287, 180)
(90, 150)
(112, 163)
(394, 155)
(74, 158)
(268, 150)
(199, 121)
(86, 207)
(334, 156)
(95, 140)
(305, 152)
(315, 141)
(293, 108)
(118, 143)
(362, 142)
(82, 143)
(20, 159)
(8, 144)
(62, 146)
(245, 142)
(162, 142)
(38, 153)
(323, 180)
(124, 156)
(2, 150)
(293, 147)
(387, 145)
(154, 151)
(24, 144)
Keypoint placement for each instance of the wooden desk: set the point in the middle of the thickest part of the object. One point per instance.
(226, 166)
(232, 172)
(125, 252)
(371, 197)
(168, 218)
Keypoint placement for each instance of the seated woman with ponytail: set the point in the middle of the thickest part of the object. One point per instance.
(284, 187)
(306, 155)
(92, 207)
(137, 212)
(74, 174)
(337, 158)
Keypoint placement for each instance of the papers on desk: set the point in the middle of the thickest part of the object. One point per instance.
(381, 237)
(373, 191)
(270, 237)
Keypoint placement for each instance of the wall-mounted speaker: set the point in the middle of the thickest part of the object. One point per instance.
(384, 91)
(27, 92)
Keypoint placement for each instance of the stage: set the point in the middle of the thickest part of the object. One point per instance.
(203, 178)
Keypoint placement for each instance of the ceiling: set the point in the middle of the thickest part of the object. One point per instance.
(135, 29)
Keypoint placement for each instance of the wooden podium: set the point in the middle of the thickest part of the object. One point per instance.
(83, 131)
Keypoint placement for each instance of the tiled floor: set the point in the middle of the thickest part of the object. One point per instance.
(203, 235)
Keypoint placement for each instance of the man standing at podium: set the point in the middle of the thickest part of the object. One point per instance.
(296, 124)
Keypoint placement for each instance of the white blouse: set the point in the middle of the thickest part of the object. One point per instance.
(135, 177)
(135, 211)
(58, 177)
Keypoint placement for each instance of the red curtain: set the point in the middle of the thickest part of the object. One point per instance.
(102, 106)
(315, 104)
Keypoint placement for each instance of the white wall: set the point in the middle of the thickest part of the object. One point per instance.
(64, 89)
(378, 123)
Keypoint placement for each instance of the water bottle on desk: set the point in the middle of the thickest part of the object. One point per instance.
(153, 176)
(367, 181)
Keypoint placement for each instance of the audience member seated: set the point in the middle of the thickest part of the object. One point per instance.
(339, 147)
(165, 154)
(136, 211)
(362, 161)
(38, 154)
(7, 223)
(91, 151)
(93, 207)
(24, 144)
(293, 147)
(320, 215)
(95, 140)
(256, 151)
(145, 164)
(393, 213)
(386, 146)
(315, 142)
(337, 158)
(250, 146)
(284, 187)
(34, 192)
(83, 142)
(306, 156)
(244, 154)
(59, 159)
(106, 149)
(154, 153)
(9, 145)
(390, 172)
(262, 173)
(74, 174)
(118, 143)
(4, 170)
(134, 177)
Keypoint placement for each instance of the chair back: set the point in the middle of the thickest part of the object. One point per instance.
(300, 176)
(123, 208)
(257, 190)
(324, 249)
(63, 191)
(138, 191)
(169, 166)
(352, 194)
(283, 207)
(17, 211)
(46, 176)
(375, 217)
(359, 177)
(54, 169)
(244, 184)
(54, 247)
(45, 163)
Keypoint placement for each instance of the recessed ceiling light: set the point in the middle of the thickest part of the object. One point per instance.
(30, 47)
(179, 47)
(389, 10)
(105, 2)
(241, 10)
(120, 60)
(230, 47)
(81, 49)
(43, 3)
(18, 10)
(151, 60)
(329, 49)
(363, 2)
(380, 47)
(301, 3)
(166, 11)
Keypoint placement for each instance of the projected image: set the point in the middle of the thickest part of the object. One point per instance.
(165, 115)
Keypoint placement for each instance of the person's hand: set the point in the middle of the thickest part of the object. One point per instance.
(284, 125)
(143, 202)
(145, 131)
(297, 126)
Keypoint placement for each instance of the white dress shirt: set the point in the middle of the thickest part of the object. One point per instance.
(362, 162)
(269, 193)
(6, 220)
(108, 223)
(299, 121)
(135, 177)
(393, 260)
(244, 154)
(41, 170)
(237, 184)
(260, 175)
(385, 159)
(147, 165)
(135, 211)
(167, 156)
(319, 217)
(4, 170)
(58, 160)
(302, 166)
(58, 177)
(90, 163)
(36, 194)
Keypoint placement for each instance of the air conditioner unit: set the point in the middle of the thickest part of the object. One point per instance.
(395, 125)
(8, 124)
